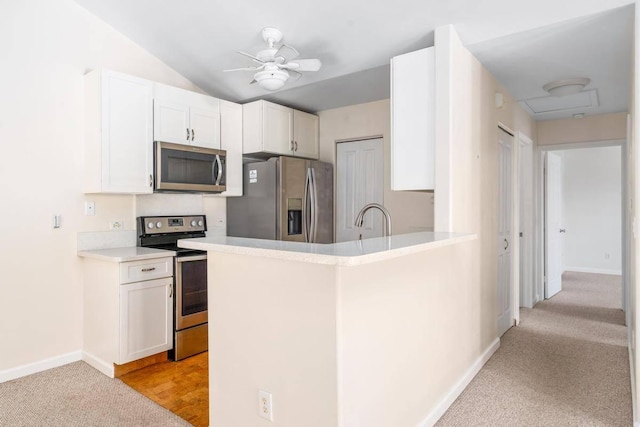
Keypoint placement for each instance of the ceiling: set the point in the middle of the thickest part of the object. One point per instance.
(524, 44)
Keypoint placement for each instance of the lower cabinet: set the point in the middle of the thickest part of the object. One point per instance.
(128, 310)
(146, 319)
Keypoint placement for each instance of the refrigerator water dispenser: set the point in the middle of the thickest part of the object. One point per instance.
(294, 216)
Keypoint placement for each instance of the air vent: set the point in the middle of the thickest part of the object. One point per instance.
(553, 104)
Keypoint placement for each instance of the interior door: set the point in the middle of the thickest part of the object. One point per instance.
(553, 224)
(360, 180)
(505, 230)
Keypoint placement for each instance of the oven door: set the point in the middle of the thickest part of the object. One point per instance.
(191, 291)
(187, 168)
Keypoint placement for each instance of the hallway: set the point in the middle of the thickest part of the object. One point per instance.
(567, 364)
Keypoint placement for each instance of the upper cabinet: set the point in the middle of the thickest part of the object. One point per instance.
(413, 120)
(231, 141)
(185, 117)
(118, 133)
(270, 128)
(124, 115)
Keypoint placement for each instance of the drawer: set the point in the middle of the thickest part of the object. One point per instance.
(136, 271)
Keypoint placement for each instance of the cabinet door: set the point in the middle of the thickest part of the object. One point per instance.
(277, 130)
(146, 319)
(413, 121)
(305, 134)
(171, 122)
(127, 134)
(205, 127)
(231, 141)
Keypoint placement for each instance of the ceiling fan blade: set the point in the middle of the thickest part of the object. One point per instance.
(255, 58)
(246, 69)
(286, 52)
(303, 65)
(295, 75)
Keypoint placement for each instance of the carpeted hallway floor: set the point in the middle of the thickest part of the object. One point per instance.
(567, 364)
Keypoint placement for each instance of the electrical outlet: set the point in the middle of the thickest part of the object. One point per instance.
(116, 225)
(265, 405)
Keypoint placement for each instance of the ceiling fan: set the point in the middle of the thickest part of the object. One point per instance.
(277, 64)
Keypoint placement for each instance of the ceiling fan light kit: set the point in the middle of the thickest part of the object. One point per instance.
(271, 80)
(271, 73)
(566, 86)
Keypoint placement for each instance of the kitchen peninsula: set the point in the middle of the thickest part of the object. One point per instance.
(365, 333)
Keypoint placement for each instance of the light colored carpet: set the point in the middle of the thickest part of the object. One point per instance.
(567, 364)
(78, 395)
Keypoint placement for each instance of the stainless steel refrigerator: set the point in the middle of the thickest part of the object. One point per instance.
(284, 198)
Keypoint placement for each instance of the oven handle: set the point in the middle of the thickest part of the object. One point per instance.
(191, 258)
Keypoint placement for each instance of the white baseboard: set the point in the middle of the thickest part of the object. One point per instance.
(459, 387)
(42, 365)
(594, 270)
(632, 370)
(99, 364)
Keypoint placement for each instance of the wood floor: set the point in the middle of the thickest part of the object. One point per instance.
(181, 387)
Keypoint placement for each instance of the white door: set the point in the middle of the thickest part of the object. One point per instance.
(505, 230)
(553, 225)
(146, 318)
(305, 134)
(360, 180)
(205, 127)
(526, 221)
(277, 128)
(171, 122)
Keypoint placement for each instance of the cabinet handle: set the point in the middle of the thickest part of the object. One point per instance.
(171, 291)
(291, 146)
(296, 144)
(148, 269)
(187, 134)
(193, 135)
(150, 180)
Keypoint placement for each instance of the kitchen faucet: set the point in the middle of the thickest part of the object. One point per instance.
(385, 212)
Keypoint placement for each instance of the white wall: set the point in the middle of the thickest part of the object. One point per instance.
(592, 215)
(47, 46)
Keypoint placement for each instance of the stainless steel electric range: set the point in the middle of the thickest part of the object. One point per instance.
(190, 278)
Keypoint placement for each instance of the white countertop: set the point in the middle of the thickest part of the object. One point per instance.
(345, 253)
(132, 253)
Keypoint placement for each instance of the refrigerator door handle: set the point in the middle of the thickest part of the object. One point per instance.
(305, 206)
(314, 207)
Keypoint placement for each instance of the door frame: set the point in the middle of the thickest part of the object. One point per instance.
(527, 227)
(538, 288)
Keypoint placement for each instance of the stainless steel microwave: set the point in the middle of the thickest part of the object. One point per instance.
(185, 168)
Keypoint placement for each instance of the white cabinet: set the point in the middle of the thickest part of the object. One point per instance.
(128, 310)
(118, 133)
(305, 134)
(146, 319)
(185, 117)
(413, 120)
(231, 142)
(270, 128)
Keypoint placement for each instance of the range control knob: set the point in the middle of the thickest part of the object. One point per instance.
(200, 223)
(158, 224)
(193, 223)
(150, 225)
